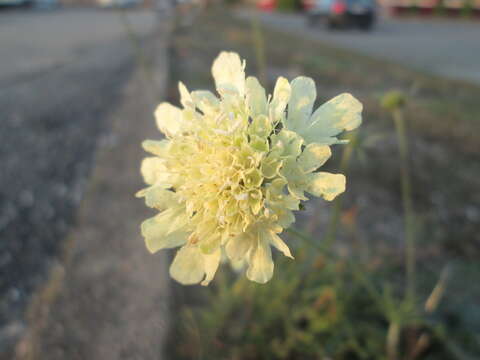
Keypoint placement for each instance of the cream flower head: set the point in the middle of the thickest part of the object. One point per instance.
(233, 168)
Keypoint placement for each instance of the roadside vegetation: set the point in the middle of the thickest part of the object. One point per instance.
(389, 270)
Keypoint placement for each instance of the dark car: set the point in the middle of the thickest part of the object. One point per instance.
(343, 13)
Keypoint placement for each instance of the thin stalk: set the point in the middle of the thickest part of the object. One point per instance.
(410, 262)
(259, 47)
(138, 50)
(393, 337)
(337, 204)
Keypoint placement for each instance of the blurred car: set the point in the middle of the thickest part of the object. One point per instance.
(267, 5)
(118, 3)
(342, 13)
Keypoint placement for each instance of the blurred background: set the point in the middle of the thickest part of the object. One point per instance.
(389, 270)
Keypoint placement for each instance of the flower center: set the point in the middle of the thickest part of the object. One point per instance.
(219, 181)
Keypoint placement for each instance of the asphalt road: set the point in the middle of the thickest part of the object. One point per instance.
(34, 42)
(61, 75)
(449, 48)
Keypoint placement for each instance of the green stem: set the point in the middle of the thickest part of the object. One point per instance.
(407, 204)
(138, 50)
(337, 204)
(259, 47)
(307, 239)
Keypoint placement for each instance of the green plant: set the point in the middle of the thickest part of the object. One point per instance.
(324, 305)
(467, 9)
(286, 5)
(236, 320)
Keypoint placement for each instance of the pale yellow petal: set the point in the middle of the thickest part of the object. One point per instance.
(188, 267)
(342, 113)
(297, 191)
(313, 156)
(286, 143)
(211, 262)
(296, 180)
(160, 232)
(153, 170)
(238, 247)
(256, 97)
(258, 143)
(276, 241)
(260, 267)
(326, 185)
(270, 167)
(169, 241)
(169, 119)
(260, 126)
(211, 243)
(160, 198)
(253, 178)
(229, 71)
(281, 96)
(301, 102)
(205, 101)
(185, 97)
(141, 193)
(285, 217)
(159, 148)
(291, 203)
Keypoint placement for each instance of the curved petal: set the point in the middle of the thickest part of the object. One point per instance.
(291, 203)
(285, 217)
(205, 101)
(229, 71)
(161, 232)
(313, 156)
(158, 197)
(286, 143)
(172, 240)
(188, 267)
(260, 267)
(326, 185)
(301, 102)
(260, 126)
(270, 166)
(238, 247)
(276, 241)
(154, 171)
(211, 262)
(210, 243)
(185, 97)
(297, 191)
(281, 95)
(169, 119)
(341, 113)
(296, 181)
(155, 147)
(256, 97)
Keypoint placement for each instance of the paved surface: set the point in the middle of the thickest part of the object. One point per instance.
(63, 76)
(34, 42)
(109, 298)
(445, 47)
